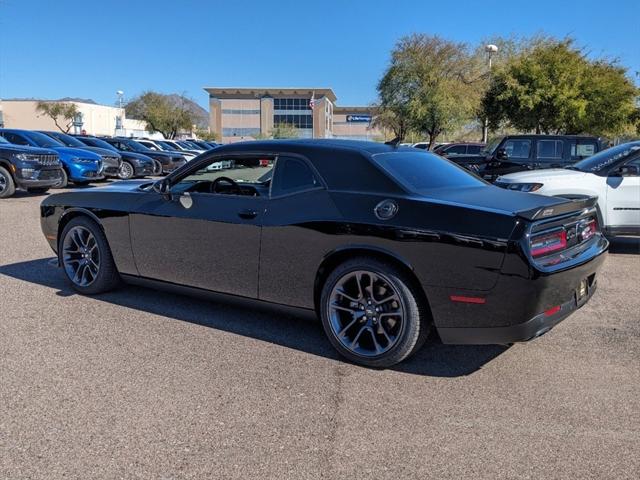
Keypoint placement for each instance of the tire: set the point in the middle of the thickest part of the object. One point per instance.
(157, 168)
(38, 190)
(7, 185)
(78, 264)
(64, 179)
(126, 172)
(403, 323)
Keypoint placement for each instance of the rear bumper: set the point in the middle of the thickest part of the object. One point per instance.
(522, 332)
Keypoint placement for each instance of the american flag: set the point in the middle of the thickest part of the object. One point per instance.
(312, 102)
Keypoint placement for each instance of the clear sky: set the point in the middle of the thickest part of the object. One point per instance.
(91, 48)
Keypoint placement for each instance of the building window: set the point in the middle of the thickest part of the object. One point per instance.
(298, 121)
(233, 111)
(291, 104)
(240, 132)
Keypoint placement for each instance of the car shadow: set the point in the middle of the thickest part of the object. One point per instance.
(277, 325)
(625, 245)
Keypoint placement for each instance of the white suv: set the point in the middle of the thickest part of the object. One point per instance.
(612, 175)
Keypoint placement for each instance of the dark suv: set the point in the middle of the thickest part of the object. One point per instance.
(515, 153)
(33, 169)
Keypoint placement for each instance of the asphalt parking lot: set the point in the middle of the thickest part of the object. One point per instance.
(142, 384)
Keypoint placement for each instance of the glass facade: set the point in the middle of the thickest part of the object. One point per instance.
(293, 111)
(298, 121)
(291, 104)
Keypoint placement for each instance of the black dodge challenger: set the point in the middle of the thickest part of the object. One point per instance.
(382, 242)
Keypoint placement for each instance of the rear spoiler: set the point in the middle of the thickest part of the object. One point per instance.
(569, 206)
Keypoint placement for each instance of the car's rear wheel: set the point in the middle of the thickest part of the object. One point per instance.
(86, 257)
(373, 313)
(7, 185)
(64, 179)
(126, 171)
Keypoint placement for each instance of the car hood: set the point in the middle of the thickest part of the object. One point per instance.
(77, 152)
(155, 154)
(122, 186)
(105, 152)
(540, 176)
(136, 156)
(26, 149)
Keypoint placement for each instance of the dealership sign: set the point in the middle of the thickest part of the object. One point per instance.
(359, 118)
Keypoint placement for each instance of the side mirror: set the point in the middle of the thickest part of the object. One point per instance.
(161, 187)
(501, 154)
(629, 171)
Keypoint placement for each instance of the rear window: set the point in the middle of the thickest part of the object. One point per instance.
(420, 172)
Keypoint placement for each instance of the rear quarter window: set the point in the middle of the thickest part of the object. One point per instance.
(421, 172)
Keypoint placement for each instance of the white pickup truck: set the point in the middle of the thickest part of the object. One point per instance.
(612, 175)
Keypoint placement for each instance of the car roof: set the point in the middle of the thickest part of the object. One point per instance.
(314, 144)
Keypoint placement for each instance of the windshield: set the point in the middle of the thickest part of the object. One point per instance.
(136, 146)
(420, 172)
(603, 159)
(65, 139)
(173, 145)
(43, 140)
(96, 142)
(185, 145)
(491, 146)
(164, 145)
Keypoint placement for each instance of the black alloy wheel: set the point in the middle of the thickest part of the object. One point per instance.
(86, 258)
(373, 313)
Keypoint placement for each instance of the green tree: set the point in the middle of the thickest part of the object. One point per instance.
(207, 135)
(284, 130)
(62, 113)
(611, 101)
(551, 87)
(431, 86)
(167, 114)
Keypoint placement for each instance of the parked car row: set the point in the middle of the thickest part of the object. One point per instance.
(39, 160)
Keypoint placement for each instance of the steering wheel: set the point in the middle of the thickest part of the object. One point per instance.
(213, 188)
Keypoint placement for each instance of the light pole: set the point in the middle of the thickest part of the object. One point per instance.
(120, 95)
(490, 49)
(119, 118)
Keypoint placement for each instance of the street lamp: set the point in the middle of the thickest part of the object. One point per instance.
(490, 49)
(120, 95)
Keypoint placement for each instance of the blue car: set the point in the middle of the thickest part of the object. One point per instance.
(78, 166)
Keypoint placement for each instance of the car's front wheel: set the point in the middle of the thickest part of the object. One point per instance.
(373, 313)
(86, 257)
(126, 171)
(64, 179)
(7, 185)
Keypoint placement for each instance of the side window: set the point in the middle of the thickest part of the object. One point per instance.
(549, 149)
(293, 175)
(16, 139)
(518, 148)
(634, 163)
(457, 150)
(473, 149)
(582, 149)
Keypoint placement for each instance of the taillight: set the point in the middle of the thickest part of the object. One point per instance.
(548, 242)
(588, 230)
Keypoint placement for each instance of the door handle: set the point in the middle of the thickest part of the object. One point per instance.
(247, 214)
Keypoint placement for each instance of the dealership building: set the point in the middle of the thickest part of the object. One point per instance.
(237, 114)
